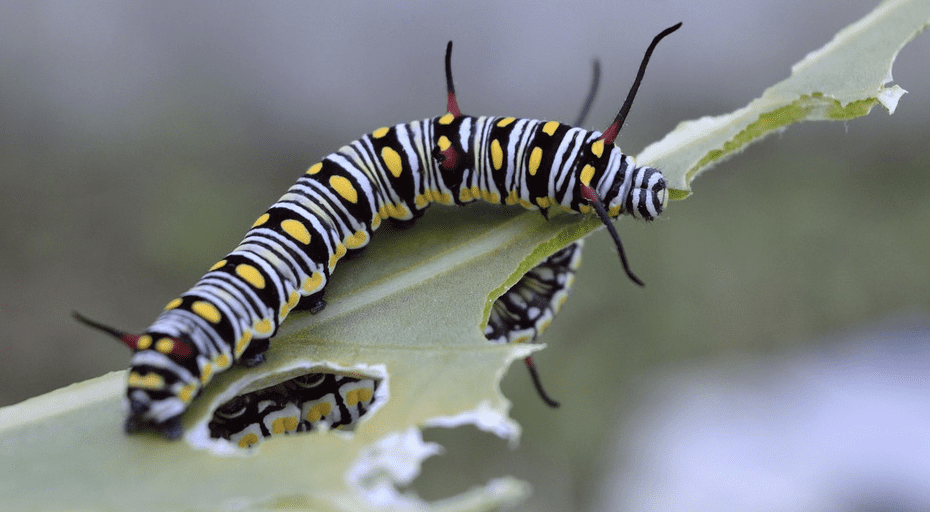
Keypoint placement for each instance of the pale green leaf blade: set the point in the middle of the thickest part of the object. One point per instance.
(409, 311)
(841, 81)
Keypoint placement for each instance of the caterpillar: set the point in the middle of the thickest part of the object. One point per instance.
(289, 254)
(302, 404)
(307, 402)
(524, 311)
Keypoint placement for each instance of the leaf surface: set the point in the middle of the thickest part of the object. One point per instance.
(410, 312)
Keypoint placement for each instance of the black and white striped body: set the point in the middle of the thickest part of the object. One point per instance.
(302, 404)
(524, 311)
(292, 250)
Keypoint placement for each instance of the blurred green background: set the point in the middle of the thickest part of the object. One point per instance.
(140, 141)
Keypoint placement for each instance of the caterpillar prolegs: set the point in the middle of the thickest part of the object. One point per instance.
(288, 256)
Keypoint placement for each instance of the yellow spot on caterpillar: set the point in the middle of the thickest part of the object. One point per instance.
(526, 204)
(543, 202)
(359, 239)
(222, 361)
(505, 121)
(262, 326)
(285, 424)
(315, 168)
(444, 143)
(149, 381)
(312, 283)
(340, 252)
(292, 300)
(144, 342)
(248, 440)
(396, 210)
(176, 302)
(543, 326)
(586, 174)
(597, 147)
(446, 119)
(523, 339)
(318, 411)
(392, 161)
(356, 396)
(206, 311)
(218, 265)
(584, 208)
(465, 195)
(261, 220)
(613, 212)
(375, 222)
(535, 160)
(344, 188)
(497, 154)
(442, 197)
(421, 200)
(550, 127)
(380, 132)
(186, 394)
(164, 345)
(493, 198)
(206, 373)
(296, 230)
(401, 211)
(251, 275)
(512, 198)
(243, 343)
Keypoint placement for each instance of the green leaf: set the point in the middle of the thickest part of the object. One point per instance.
(841, 81)
(410, 312)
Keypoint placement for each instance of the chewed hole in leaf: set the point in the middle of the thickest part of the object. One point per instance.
(310, 402)
(525, 310)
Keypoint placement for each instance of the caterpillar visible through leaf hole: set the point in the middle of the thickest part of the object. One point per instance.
(301, 404)
(326, 400)
(288, 256)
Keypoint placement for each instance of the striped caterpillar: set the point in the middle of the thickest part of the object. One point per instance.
(301, 404)
(288, 256)
(314, 400)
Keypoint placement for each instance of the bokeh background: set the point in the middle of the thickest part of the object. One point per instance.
(777, 359)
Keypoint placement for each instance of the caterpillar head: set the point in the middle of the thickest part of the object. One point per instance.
(637, 191)
(647, 194)
(161, 382)
(646, 197)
